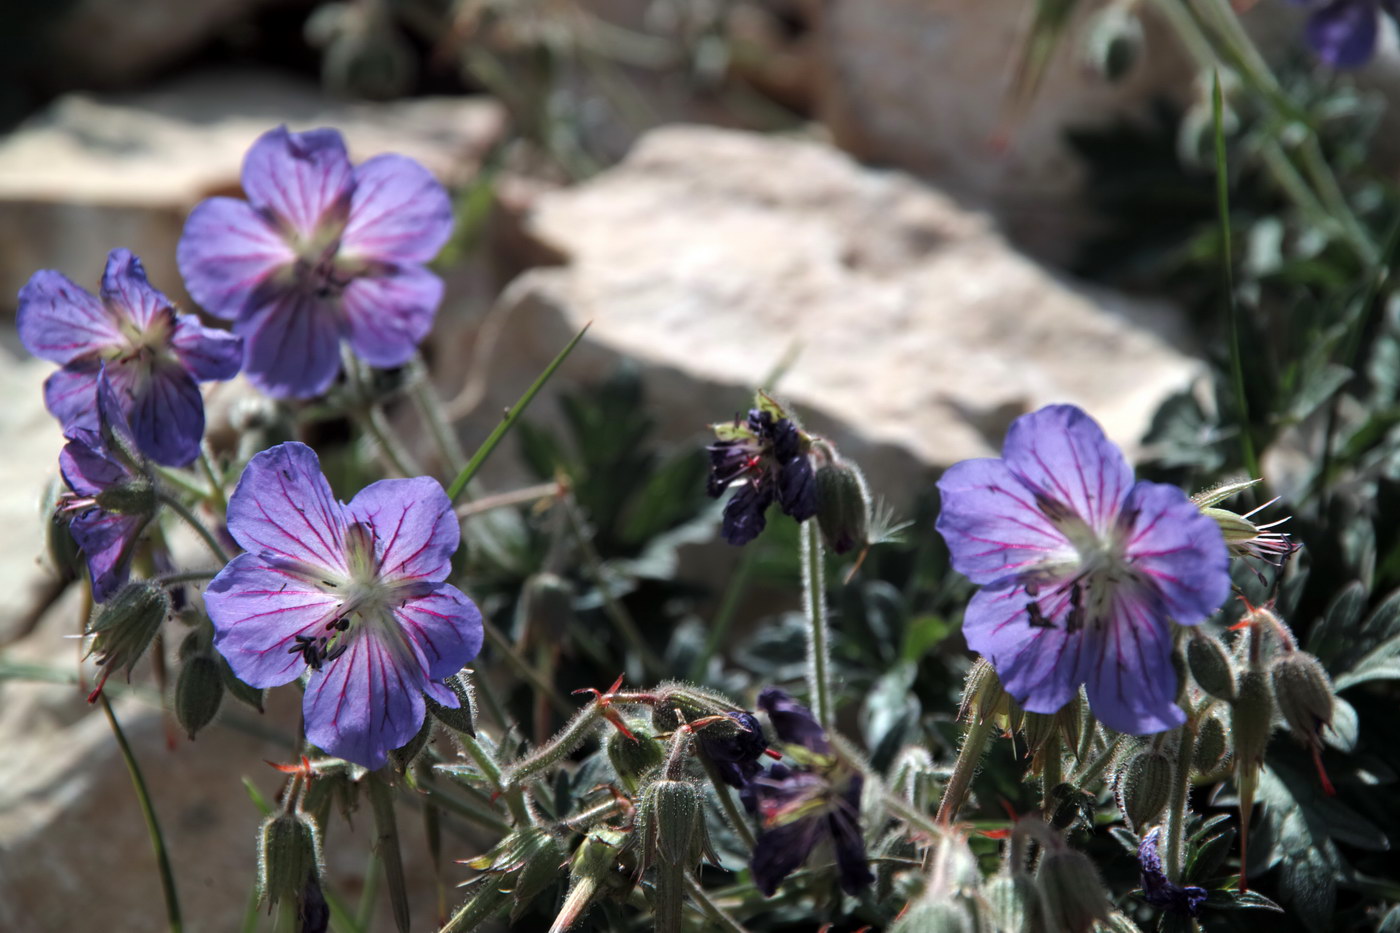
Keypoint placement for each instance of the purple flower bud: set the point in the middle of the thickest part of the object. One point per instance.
(735, 755)
(1157, 890)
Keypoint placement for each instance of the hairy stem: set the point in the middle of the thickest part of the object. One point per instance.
(969, 757)
(814, 602)
(189, 518)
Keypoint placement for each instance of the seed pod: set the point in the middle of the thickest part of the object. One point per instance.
(461, 719)
(1211, 747)
(289, 854)
(1006, 899)
(546, 609)
(198, 693)
(1304, 695)
(672, 812)
(1069, 896)
(983, 695)
(935, 916)
(127, 623)
(1143, 786)
(633, 757)
(843, 506)
(1252, 717)
(1210, 665)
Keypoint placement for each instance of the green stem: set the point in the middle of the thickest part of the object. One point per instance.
(1052, 774)
(429, 406)
(814, 602)
(216, 482)
(377, 426)
(1092, 770)
(189, 518)
(726, 802)
(719, 919)
(969, 756)
(185, 576)
(386, 847)
(450, 803)
(143, 798)
(1176, 808)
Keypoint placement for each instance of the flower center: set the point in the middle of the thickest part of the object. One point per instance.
(366, 601)
(1084, 581)
(147, 347)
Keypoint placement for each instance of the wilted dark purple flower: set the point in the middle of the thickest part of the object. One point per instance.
(765, 457)
(814, 801)
(736, 755)
(112, 495)
(1082, 570)
(154, 358)
(320, 250)
(353, 592)
(1343, 33)
(1157, 890)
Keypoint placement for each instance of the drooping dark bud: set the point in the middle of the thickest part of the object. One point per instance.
(546, 609)
(1211, 747)
(198, 692)
(843, 506)
(1304, 695)
(635, 755)
(1252, 717)
(1069, 895)
(463, 718)
(1143, 786)
(126, 625)
(289, 855)
(1210, 665)
(734, 749)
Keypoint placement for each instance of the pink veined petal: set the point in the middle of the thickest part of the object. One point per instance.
(415, 530)
(303, 179)
(87, 468)
(1130, 681)
(291, 345)
(1179, 549)
(60, 321)
(70, 395)
(257, 611)
(992, 525)
(366, 702)
(283, 507)
(207, 353)
(445, 626)
(1061, 452)
(226, 253)
(389, 315)
(1041, 666)
(164, 407)
(108, 541)
(399, 213)
(128, 293)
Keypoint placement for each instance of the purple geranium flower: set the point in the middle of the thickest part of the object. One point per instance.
(814, 801)
(1160, 892)
(1343, 33)
(320, 250)
(154, 357)
(353, 592)
(112, 498)
(765, 457)
(1082, 570)
(735, 756)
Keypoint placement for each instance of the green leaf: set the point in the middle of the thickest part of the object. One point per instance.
(1237, 900)
(1345, 729)
(922, 634)
(1330, 637)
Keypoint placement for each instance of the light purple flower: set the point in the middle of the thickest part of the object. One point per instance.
(112, 496)
(154, 357)
(1082, 570)
(320, 250)
(353, 592)
(1343, 33)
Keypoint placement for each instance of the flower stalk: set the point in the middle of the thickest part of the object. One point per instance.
(969, 757)
(814, 602)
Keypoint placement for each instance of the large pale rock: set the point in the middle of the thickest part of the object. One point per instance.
(94, 173)
(711, 255)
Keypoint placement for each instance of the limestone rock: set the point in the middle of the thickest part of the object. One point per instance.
(93, 173)
(916, 332)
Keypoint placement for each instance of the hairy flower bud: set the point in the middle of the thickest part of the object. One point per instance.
(134, 497)
(1069, 896)
(671, 819)
(1211, 746)
(594, 864)
(289, 854)
(1143, 786)
(126, 625)
(1304, 695)
(198, 692)
(680, 703)
(633, 756)
(843, 506)
(1210, 665)
(1006, 898)
(1252, 717)
(983, 695)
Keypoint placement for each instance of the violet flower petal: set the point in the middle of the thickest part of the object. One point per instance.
(86, 467)
(226, 253)
(60, 321)
(365, 702)
(781, 849)
(291, 346)
(415, 529)
(852, 867)
(793, 722)
(303, 179)
(125, 286)
(1343, 34)
(389, 315)
(257, 611)
(108, 541)
(70, 395)
(1130, 681)
(207, 353)
(1180, 549)
(284, 508)
(443, 625)
(398, 212)
(165, 408)
(1062, 453)
(1041, 666)
(991, 522)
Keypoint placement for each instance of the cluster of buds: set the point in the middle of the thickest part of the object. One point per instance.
(290, 865)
